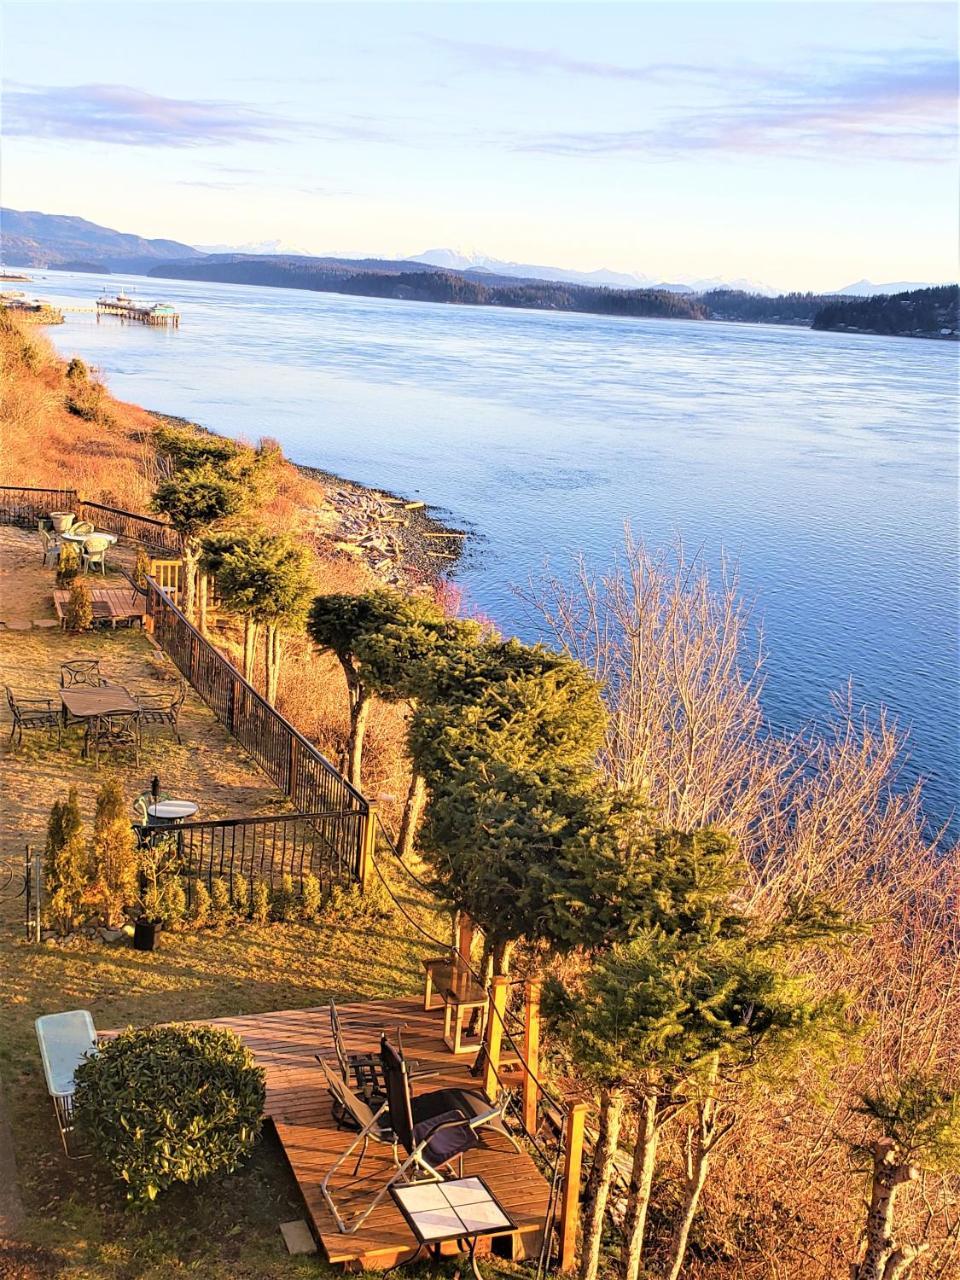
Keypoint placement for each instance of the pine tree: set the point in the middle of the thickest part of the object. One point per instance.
(67, 865)
(114, 854)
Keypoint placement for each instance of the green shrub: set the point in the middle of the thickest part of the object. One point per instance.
(114, 853)
(67, 868)
(163, 1105)
(68, 564)
(79, 607)
(351, 906)
(260, 902)
(77, 371)
(172, 906)
(241, 897)
(311, 897)
(220, 900)
(284, 899)
(141, 568)
(202, 906)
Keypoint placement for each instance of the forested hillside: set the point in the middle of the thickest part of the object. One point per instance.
(923, 313)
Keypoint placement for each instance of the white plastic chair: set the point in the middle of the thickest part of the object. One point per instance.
(65, 1040)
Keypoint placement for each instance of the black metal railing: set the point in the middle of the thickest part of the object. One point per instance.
(24, 506)
(267, 848)
(130, 526)
(288, 758)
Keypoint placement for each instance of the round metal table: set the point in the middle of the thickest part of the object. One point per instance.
(171, 811)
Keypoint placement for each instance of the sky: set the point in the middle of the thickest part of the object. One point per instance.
(802, 145)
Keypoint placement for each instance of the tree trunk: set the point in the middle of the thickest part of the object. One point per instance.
(598, 1188)
(641, 1182)
(502, 954)
(701, 1139)
(191, 557)
(412, 813)
(273, 655)
(251, 634)
(883, 1260)
(359, 711)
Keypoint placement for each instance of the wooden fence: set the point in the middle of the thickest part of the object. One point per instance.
(285, 755)
(25, 506)
(267, 848)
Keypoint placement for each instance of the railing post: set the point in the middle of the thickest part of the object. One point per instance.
(496, 1012)
(570, 1194)
(368, 843)
(531, 1052)
(292, 767)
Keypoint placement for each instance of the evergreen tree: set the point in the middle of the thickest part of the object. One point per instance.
(66, 863)
(114, 854)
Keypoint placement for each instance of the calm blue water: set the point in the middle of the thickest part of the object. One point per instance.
(826, 464)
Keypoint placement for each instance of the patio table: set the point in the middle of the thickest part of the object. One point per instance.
(80, 538)
(86, 702)
(172, 810)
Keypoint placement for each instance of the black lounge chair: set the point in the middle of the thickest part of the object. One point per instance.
(431, 1132)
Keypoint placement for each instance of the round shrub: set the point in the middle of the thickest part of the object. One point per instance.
(164, 1105)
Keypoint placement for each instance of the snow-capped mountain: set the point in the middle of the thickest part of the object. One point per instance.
(474, 260)
(260, 247)
(867, 289)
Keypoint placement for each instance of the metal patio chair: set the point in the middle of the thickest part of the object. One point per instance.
(114, 732)
(32, 713)
(431, 1144)
(81, 671)
(162, 708)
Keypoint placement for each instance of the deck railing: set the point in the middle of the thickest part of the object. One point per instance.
(285, 755)
(24, 506)
(131, 527)
(266, 848)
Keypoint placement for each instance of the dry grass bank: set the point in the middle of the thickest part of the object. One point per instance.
(58, 430)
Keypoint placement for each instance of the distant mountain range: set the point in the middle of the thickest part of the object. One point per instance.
(31, 239)
(34, 239)
(467, 260)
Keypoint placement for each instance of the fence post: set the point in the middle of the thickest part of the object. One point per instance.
(292, 767)
(28, 892)
(497, 1001)
(368, 842)
(531, 1052)
(570, 1195)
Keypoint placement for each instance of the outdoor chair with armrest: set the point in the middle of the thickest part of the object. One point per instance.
(94, 552)
(118, 730)
(162, 708)
(431, 1143)
(80, 529)
(32, 713)
(49, 541)
(81, 671)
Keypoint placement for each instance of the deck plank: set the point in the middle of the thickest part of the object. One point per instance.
(284, 1043)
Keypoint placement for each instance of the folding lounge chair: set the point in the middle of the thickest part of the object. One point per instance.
(362, 1068)
(432, 1134)
(65, 1040)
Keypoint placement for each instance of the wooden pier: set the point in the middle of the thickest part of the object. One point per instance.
(152, 313)
(284, 1044)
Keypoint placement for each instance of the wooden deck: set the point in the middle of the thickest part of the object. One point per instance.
(110, 605)
(297, 1103)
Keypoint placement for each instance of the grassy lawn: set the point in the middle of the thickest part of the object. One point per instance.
(77, 1224)
(224, 1228)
